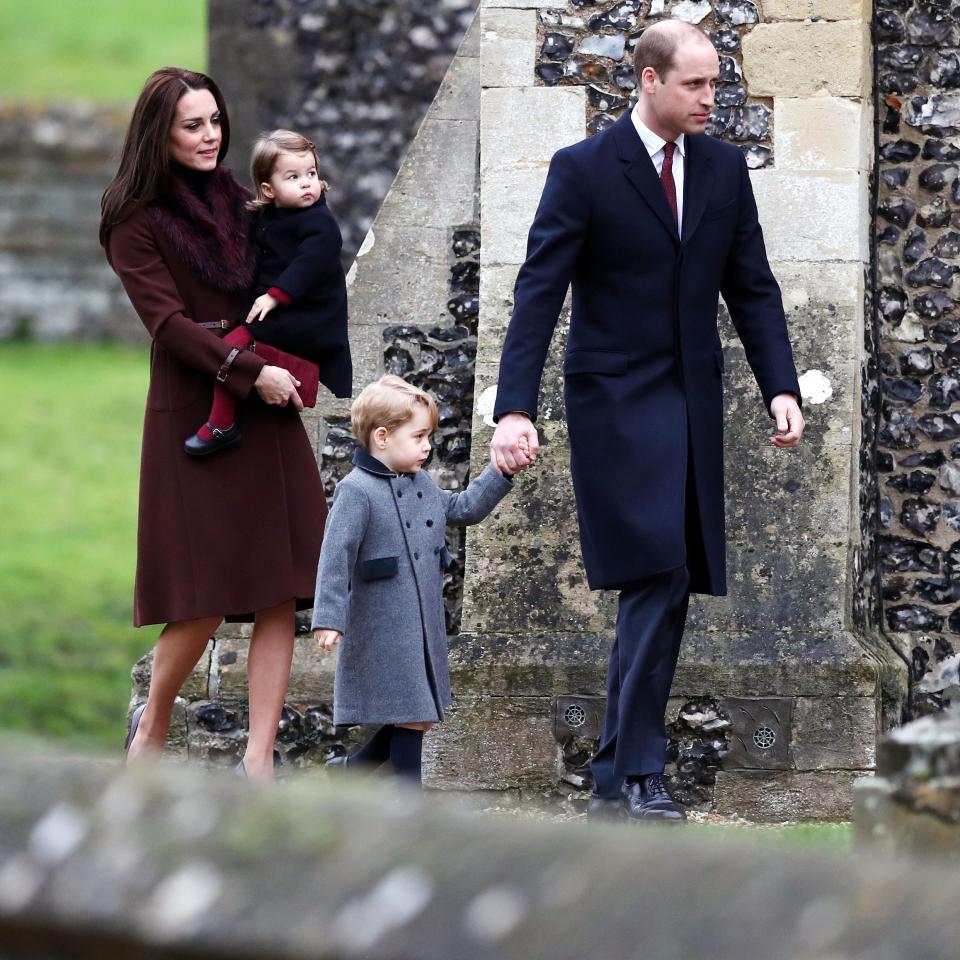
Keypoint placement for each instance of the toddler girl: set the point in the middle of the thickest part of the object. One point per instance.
(300, 289)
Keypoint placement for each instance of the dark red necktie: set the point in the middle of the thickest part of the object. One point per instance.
(666, 178)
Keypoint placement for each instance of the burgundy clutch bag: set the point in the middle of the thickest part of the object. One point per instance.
(303, 370)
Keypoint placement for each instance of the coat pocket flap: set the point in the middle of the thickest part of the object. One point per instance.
(595, 361)
(378, 568)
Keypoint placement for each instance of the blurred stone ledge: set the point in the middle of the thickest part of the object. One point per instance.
(912, 805)
(167, 861)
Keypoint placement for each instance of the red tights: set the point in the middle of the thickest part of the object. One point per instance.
(224, 403)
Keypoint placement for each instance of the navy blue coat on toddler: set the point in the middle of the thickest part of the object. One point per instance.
(299, 254)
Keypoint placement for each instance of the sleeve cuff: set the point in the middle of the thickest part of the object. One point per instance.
(281, 296)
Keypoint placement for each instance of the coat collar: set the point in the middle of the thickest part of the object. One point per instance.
(368, 462)
(212, 237)
(642, 174)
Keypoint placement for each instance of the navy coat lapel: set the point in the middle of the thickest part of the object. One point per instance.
(640, 171)
(697, 184)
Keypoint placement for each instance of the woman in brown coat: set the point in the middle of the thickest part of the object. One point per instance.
(235, 536)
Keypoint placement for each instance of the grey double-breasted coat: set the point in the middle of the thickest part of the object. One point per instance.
(380, 583)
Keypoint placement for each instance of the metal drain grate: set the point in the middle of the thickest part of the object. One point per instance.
(575, 716)
(760, 734)
(764, 738)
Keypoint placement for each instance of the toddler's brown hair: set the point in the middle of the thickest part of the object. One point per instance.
(388, 402)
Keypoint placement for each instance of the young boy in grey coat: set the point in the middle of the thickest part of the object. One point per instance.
(380, 579)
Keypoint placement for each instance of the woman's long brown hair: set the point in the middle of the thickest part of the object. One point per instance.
(145, 156)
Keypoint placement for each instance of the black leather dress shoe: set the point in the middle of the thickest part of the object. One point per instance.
(220, 439)
(648, 799)
(604, 808)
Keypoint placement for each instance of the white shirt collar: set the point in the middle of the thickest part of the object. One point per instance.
(653, 142)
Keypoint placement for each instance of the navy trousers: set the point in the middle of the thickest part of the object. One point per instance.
(650, 621)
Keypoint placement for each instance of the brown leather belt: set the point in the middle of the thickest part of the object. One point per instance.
(217, 325)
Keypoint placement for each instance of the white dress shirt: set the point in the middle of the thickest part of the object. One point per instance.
(654, 145)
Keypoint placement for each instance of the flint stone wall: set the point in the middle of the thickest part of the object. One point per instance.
(165, 862)
(915, 366)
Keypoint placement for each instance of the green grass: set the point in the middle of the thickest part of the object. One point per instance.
(833, 837)
(69, 463)
(95, 49)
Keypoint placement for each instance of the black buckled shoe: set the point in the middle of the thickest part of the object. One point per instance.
(648, 799)
(197, 447)
(600, 809)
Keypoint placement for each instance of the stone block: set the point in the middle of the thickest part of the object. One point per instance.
(437, 182)
(552, 118)
(508, 41)
(803, 59)
(391, 288)
(459, 95)
(194, 686)
(884, 819)
(528, 664)
(492, 743)
(813, 216)
(774, 796)
(496, 308)
(508, 202)
(524, 569)
(835, 733)
(311, 678)
(822, 133)
(778, 10)
(515, 159)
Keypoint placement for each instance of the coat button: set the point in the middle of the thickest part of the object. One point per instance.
(399, 493)
(420, 494)
(416, 556)
(436, 550)
(429, 523)
(408, 524)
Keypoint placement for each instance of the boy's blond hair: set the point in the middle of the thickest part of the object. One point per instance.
(263, 161)
(388, 402)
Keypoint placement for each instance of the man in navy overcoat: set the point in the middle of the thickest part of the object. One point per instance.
(649, 222)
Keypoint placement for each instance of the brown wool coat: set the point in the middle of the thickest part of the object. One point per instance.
(239, 531)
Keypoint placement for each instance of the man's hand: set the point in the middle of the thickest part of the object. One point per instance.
(515, 443)
(786, 411)
(326, 639)
(261, 307)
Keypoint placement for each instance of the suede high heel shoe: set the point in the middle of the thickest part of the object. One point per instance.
(134, 723)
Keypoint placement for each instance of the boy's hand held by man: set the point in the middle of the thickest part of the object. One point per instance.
(326, 639)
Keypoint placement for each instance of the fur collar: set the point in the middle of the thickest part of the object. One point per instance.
(214, 241)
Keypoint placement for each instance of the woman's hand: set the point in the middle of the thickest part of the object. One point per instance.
(261, 307)
(277, 386)
(326, 639)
